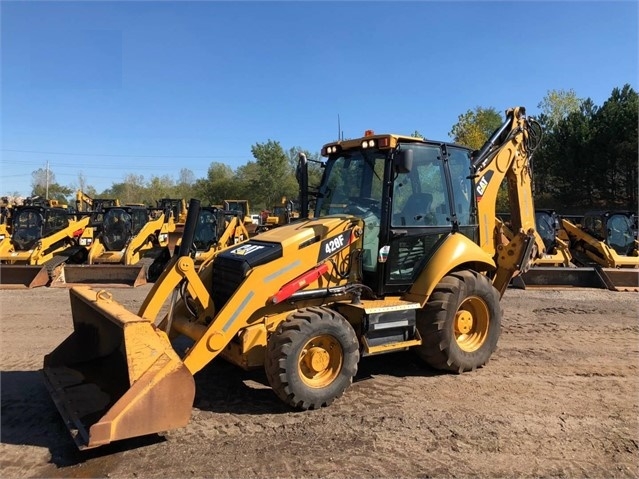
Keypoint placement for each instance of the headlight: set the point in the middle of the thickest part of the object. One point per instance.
(163, 237)
(86, 241)
(368, 143)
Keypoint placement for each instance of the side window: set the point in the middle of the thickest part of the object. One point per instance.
(419, 196)
(459, 164)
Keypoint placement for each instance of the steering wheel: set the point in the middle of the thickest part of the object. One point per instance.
(362, 205)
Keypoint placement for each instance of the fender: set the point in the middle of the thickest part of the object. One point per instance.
(456, 250)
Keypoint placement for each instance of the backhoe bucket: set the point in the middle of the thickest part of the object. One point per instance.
(116, 376)
(19, 276)
(100, 275)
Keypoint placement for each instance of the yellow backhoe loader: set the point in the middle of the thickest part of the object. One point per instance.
(402, 253)
(126, 248)
(607, 241)
(43, 238)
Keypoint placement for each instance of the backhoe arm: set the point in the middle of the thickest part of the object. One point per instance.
(507, 155)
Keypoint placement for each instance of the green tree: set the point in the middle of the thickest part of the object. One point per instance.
(555, 108)
(557, 105)
(218, 185)
(614, 149)
(472, 130)
(43, 184)
(274, 179)
(474, 127)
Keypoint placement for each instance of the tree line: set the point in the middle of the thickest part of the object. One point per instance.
(588, 159)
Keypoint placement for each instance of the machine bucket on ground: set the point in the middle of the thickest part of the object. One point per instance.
(116, 376)
(558, 277)
(621, 279)
(100, 275)
(19, 276)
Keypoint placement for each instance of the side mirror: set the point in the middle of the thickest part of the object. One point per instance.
(404, 161)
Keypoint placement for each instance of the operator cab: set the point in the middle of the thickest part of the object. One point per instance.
(120, 224)
(410, 193)
(32, 223)
(616, 229)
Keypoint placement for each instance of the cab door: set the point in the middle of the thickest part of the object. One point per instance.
(427, 204)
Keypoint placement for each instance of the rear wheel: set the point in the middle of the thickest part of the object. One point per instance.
(461, 323)
(311, 358)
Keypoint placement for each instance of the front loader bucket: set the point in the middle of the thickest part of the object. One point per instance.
(621, 279)
(116, 376)
(560, 277)
(100, 275)
(19, 276)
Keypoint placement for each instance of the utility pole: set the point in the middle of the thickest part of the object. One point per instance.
(47, 193)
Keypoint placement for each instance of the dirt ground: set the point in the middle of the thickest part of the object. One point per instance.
(560, 398)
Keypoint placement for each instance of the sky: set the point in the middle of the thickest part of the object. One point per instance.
(99, 90)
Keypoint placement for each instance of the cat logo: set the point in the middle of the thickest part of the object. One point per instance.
(246, 249)
(482, 184)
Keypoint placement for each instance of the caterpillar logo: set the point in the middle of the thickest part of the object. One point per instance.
(332, 245)
(246, 249)
(482, 184)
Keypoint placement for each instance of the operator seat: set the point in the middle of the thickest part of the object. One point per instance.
(416, 211)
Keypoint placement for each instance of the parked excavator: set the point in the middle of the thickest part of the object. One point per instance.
(126, 248)
(607, 242)
(401, 253)
(44, 236)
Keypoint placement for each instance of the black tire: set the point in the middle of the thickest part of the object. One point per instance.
(158, 265)
(461, 323)
(311, 358)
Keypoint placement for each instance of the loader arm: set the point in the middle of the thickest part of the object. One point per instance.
(507, 155)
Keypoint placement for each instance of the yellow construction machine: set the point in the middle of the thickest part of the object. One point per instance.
(84, 203)
(607, 241)
(179, 210)
(43, 237)
(402, 253)
(217, 230)
(126, 248)
(555, 268)
(278, 215)
(6, 210)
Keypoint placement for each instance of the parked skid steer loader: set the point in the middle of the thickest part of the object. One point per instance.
(402, 253)
(42, 239)
(607, 241)
(179, 209)
(126, 248)
(217, 230)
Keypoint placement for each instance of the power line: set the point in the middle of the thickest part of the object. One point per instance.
(123, 156)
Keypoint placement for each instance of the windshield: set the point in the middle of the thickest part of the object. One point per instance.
(206, 230)
(353, 183)
(620, 234)
(27, 228)
(117, 229)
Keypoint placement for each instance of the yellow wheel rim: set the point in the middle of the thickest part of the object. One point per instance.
(471, 324)
(320, 361)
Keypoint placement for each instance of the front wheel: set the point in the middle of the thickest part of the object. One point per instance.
(461, 323)
(311, 358)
